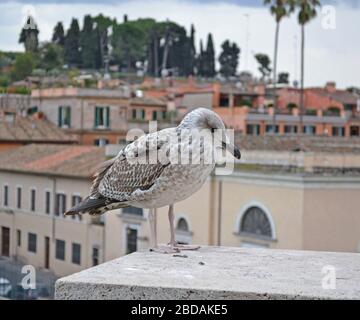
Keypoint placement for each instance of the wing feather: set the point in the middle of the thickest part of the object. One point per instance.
(129, 171)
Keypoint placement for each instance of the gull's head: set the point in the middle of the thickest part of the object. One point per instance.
(206, 119)
(202, 118)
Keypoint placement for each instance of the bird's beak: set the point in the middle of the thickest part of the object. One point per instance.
(233, 149)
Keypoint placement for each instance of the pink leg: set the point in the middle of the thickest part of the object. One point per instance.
(153, 236)
(173, 242)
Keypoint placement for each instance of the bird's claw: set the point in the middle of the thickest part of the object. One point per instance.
(183, 246)
(167, 249)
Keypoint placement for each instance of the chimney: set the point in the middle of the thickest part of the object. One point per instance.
(330, 86)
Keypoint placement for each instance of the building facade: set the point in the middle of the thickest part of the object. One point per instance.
(282, 200)
(95, 116)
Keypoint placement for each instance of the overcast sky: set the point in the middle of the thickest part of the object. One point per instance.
(331, 54)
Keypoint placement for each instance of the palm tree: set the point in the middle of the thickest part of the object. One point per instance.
(307, 12)
(279, 9)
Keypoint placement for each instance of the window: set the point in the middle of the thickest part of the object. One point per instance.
(60, 205)
(32, 199)
(253, 129)
(18, 237)
(310, 130)
(18, 197)
(163, 115)
(95, 256)
(32, 242)
(102, 117)
(60, 249)
(6, 196)
(133, 114)
(354, 131)
(338, 131)
(131, 239)
(47, 202)
(64, 117)
(256, 222)
(154, 115)
(32, 110)
(240, 101)
(182, 232)
(101, 142)
(75, 199)
(76, 253)
(270, 128)
(182, 225)
(142, 114)
(224, 100)
(288, 129)
(133, 210)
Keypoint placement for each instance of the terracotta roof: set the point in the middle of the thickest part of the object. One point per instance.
(25, 129)
(289, 143)
(53, 159)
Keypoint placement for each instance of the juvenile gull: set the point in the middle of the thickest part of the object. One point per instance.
(148, 173)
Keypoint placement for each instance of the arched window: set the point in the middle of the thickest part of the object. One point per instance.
(256, 222)
(182, 225)
(183, 234)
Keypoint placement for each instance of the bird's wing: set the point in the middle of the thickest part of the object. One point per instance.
(131, 170)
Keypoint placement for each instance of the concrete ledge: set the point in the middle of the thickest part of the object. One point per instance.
(217, 273)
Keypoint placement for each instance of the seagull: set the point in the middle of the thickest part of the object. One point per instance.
(149, 174)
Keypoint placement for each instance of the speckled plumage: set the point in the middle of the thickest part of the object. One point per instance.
(130, 180)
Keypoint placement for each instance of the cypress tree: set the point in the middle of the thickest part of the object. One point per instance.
(192, 51)
(72, 52)
(59, 35)
(210, 57)
(200, 60)
(88, 42)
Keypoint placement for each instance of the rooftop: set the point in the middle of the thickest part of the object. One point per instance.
(62, 160)
(123, 92)
(219, 273)
(150, 101)
(26, 130)
(291, 143)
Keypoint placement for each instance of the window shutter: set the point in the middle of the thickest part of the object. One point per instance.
(107, 117)
(96, 117)
(69, 123)
(57, 203)
(59, 116)
(63, 203)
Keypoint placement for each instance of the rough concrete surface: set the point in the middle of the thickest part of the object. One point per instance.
(219, 273)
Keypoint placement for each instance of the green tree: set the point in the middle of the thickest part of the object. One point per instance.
(192, 50)
(209, 58)
(129, 44)
(279, 9)
(72, 54)
(283, 77)
(51, 56)
(307, 12)
(200, 60)
(59, 34)
(89, 44)
(229, 58)
(29, 35)
(264, 65)
(23, 66)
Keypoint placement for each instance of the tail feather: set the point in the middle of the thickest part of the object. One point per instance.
(89, 205)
